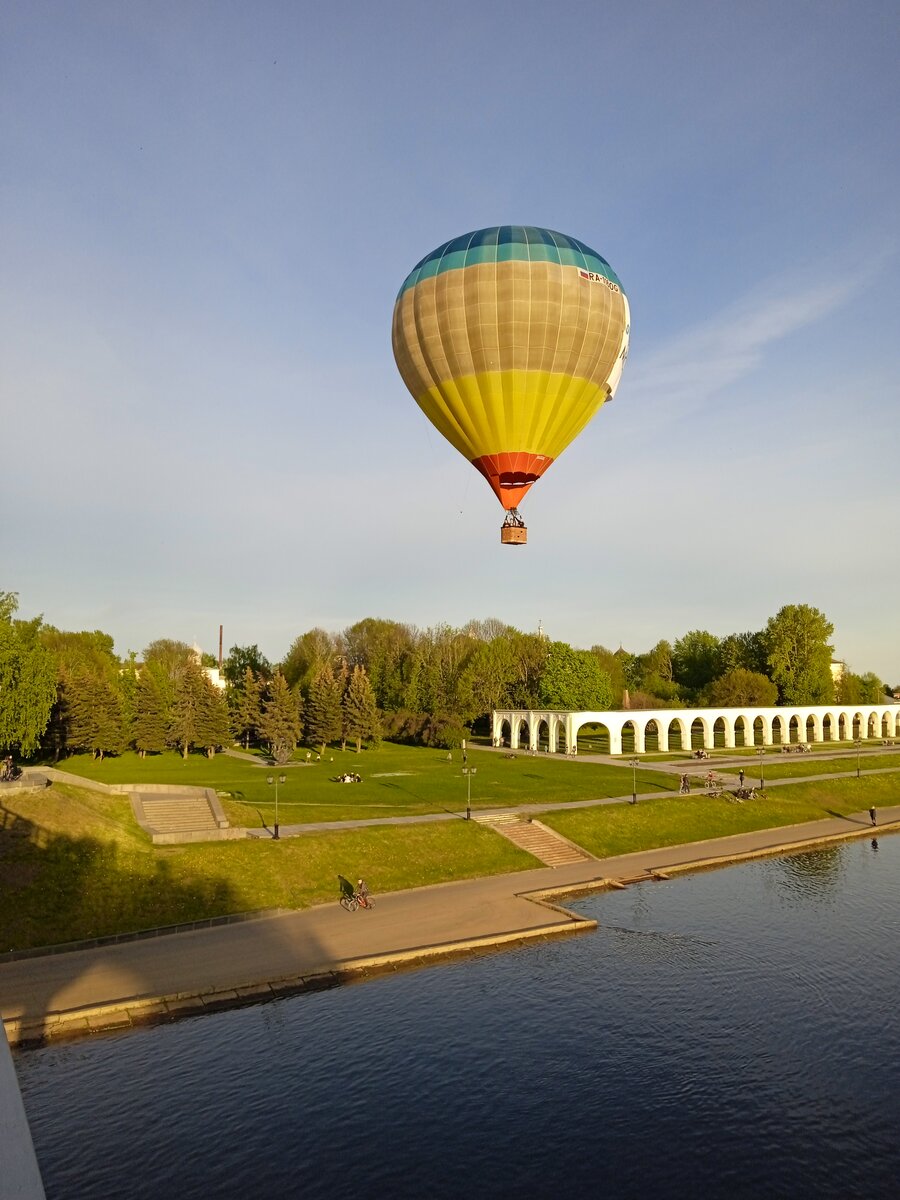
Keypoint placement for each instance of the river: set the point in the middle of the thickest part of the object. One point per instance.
(729, 1033)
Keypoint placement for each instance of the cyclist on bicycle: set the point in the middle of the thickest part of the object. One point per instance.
(346, 887)
(362, 890)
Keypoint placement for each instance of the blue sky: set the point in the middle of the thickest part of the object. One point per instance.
(208, 209)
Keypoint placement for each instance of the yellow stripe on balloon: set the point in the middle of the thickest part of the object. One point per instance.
(540, 412)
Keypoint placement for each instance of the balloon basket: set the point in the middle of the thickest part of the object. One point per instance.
(513, 535)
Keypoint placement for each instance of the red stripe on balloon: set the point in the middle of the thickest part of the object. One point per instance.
(511, 474)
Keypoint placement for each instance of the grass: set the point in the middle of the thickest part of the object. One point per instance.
(622, 829)
(398, 781)
(75, 865)
(803, 765)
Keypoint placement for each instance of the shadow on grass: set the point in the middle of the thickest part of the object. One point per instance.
(57, 889)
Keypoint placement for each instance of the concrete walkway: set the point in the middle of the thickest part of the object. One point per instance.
(147, 981)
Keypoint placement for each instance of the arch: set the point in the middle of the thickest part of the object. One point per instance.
(632, 737)
(794, 729)
(885, 724)
(523, 734)
(677, 732)
(743, 731)
(560, 741)
(858, 725)
(504, 733)
(759, 732)
(720, 732)
(592, 737)
(780, 731)
(654, 736)
(813, 728)
(871, 725)
(543, 738)
(701, 734)
(829, 728)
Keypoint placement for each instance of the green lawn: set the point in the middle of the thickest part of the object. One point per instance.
(75, 865)
(670, 821)
(802, 764)
(397, 781)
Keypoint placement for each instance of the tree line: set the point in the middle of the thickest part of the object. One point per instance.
(68, 691)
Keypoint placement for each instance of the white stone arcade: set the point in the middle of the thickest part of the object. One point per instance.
(683, 728)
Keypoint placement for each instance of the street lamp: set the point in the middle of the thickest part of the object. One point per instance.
(634, 766)
(857, 742)
(276, 779)
(469, 772)
(761, 752)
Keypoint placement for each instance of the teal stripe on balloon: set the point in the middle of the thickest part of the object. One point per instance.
(509, 243)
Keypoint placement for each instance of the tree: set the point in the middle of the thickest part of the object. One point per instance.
(169, 656)
(309, 652)
(360, 710)
(573, 679)
(743, 650)
(696, 660)
(858, 689)
(798, 653)
(385, 649)
(246, 706)
(611, 662)
(199, 715)
(95, 715)
(743, 687)
(323, 708)
(241, 659)
(27, 680)
(153, 713)
(280, 721)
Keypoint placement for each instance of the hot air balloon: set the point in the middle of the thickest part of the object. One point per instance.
(510, 339)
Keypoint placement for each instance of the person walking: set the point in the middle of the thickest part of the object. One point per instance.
(741, 776)
(872, 815)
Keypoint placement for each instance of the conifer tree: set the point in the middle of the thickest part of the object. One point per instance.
(246, 706)
(187, 717)
(281, 722)
(95, 717)
(153, 714)
(323, 709)
(360, 712)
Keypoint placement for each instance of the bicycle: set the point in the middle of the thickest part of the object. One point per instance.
(352, 903)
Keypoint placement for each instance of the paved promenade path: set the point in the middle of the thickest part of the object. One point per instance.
(152, 980)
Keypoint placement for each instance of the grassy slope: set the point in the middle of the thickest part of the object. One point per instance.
(671, 821)
(398, 781)
(74, 865)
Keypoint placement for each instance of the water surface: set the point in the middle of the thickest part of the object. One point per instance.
(730, 1033)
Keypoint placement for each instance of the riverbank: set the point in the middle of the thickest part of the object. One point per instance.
(184, 974)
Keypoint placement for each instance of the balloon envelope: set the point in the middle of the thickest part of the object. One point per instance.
(510, 339)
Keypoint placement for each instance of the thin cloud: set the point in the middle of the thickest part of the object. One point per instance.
(686, 372)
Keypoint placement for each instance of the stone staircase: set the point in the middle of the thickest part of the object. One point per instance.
(178, 814)
(537, 839)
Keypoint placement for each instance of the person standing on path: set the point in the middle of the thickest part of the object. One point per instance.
(872, 815)
(741, 776)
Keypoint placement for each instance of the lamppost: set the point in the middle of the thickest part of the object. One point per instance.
(276, 779)
(857, 742)
(634, 766)
(761, 753)
(469, 772)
